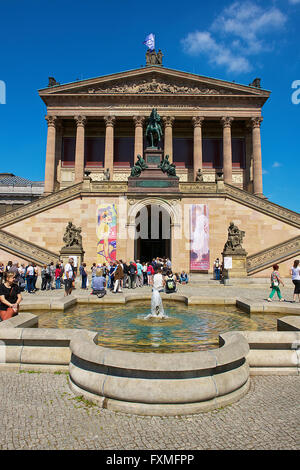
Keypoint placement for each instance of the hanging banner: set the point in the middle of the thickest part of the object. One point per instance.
(106, 233)
(199, 230)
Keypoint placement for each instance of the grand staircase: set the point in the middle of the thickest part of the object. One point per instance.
(255, 263)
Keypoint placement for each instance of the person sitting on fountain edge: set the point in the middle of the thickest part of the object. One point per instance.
(170, 283)
(99, 284)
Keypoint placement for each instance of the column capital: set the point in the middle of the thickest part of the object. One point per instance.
(139, 120)
(256, 122)
(109, 120)
(168, 121)
(226, 121)
(51, 120)
(80, 120)
(197, 121)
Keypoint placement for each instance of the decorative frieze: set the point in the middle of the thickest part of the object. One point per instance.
(266, 258)
(26, 249)
(159, 86)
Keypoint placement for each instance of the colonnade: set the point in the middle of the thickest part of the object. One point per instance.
(197, 121)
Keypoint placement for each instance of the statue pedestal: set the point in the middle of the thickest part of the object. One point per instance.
(239, 266)
(69, 252)
(152, 179)
(153, 157)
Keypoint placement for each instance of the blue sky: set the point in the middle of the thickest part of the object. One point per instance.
(229, 40)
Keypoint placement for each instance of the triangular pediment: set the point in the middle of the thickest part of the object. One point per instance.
(154, 80)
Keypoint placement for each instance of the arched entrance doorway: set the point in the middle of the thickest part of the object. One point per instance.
(152, 233)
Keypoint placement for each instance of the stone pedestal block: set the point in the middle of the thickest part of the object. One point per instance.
(70, 252)
(152, 178)
(239, 268)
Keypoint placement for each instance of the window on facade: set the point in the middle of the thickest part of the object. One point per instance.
(183, 151)
(68, 151)
(238, 153)
(212, 153)
(123, 151)
(94, 151)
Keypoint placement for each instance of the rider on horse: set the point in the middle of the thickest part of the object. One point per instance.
(154, 131)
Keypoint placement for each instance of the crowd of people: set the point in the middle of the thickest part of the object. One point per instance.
(114, 276)
(120, 275)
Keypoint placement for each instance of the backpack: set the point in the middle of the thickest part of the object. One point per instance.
(132, 269)
(170, 284)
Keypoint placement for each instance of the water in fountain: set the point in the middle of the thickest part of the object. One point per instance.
(157, 309)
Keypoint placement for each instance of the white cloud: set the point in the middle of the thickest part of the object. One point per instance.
(294, 2)
(264, 172)
(203, 43)
(239, 31)
(276, 165)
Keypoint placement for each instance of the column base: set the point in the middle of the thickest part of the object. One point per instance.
(260, 195)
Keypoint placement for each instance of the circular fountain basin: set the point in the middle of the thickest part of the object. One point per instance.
(186, 329)
(119, 360)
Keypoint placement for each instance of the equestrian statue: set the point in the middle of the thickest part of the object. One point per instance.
(154, 131)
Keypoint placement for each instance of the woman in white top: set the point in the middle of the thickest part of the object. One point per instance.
(295, 272)
(158, 281)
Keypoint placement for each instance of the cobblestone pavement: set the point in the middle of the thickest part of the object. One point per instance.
(38, 411)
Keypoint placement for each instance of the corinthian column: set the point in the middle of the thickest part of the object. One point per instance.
(79, 152)
(257, 163)
(168, 121)
(197, 123)
(227, 149)
(138, 139)
(109, 144)
(50, 156)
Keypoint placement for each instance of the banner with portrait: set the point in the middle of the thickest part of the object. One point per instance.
(199, 237)
(106, 233)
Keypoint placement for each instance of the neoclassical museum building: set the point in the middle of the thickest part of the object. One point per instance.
(211, 133)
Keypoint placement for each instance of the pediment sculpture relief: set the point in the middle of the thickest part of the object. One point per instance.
(158, 86)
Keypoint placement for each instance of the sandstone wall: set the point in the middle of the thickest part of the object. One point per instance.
(46, 230)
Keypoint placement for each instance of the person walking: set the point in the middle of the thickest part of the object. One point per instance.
(275, 283)
(118, 274)
(10, 297)
(295, 272)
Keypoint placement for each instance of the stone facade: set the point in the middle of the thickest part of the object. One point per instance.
(261, 230)
(99, 124)
(198, 113)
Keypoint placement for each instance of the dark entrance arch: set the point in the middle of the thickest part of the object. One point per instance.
(152, 233)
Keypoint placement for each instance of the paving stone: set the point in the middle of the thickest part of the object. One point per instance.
(38, 411)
